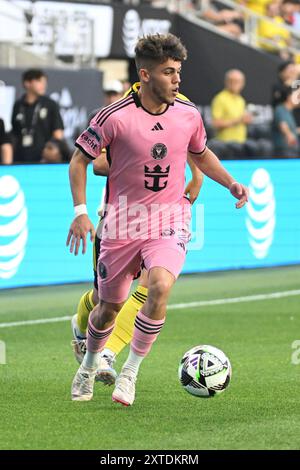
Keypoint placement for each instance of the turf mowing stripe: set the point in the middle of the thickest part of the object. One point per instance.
(234, 300)
(35, 322)
(202, 303)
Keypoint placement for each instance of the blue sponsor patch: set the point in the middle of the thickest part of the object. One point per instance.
(94, 133)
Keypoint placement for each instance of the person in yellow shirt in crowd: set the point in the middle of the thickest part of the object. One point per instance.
(257, 6)
(272, 36)
(230, 121)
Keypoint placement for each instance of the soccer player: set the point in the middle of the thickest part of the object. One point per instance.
(124, 325)
(148, 171)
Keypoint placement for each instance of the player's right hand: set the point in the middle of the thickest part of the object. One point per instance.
(79, 229)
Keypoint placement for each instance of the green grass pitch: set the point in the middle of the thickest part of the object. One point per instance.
(259, 410)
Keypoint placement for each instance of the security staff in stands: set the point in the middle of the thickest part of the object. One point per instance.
(36, 119)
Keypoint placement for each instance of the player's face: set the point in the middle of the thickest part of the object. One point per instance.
(164, 81)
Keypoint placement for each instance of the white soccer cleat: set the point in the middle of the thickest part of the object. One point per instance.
(79, 342)
(83, 384)
(105, 372)
(124, 391)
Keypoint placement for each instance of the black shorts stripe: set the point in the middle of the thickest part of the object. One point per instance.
(84, 151)
(113, 111)
(108, 108)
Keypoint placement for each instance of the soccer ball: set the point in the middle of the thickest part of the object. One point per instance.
(204, 371)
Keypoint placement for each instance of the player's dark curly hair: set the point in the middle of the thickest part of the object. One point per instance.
(157, 48)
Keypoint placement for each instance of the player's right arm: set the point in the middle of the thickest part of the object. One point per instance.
(90, 143)
(81, 224)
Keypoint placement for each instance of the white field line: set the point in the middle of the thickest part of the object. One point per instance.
(202, 303)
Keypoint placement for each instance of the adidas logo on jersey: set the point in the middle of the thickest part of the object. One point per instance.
(157, 127)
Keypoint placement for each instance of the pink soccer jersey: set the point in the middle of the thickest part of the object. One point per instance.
(147, 152)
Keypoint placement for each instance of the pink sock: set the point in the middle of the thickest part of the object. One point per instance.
(145, 333)
(96, 339)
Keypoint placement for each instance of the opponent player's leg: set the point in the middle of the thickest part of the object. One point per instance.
(123, 331)
(86, 304)
(79, 322)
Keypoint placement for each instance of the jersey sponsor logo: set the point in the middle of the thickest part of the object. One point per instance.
(155, 177)
(90, 142)
(159, 151)
(91, 137)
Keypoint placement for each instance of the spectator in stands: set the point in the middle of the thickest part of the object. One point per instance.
(55, 151)
(272, 36)
(288, 10)
(257, 6)
(230, 120)
(113, 91)
(228, 20)
(35, 120)
(288, 74)
(6, 148)
(285, 131)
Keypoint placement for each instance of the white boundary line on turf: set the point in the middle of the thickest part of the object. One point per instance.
(202, 303)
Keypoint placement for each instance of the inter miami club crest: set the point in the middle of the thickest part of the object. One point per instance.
(159, 151)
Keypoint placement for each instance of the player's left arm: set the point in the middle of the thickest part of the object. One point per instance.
(211, 166)
(101, 165)
(193, 187)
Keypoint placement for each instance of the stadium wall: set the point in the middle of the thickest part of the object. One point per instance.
(36, 210)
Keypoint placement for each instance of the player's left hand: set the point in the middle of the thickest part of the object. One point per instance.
(192, 190)
(241, 192)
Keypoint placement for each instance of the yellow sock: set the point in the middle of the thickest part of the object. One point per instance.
(84, 308)
(123, 330)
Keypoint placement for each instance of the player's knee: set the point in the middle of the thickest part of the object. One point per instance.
(160, 289)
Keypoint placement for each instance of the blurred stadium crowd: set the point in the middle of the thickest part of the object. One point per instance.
(37, 130)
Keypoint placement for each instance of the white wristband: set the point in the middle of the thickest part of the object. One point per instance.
(80, 210)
